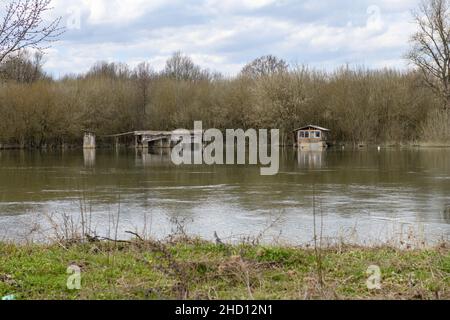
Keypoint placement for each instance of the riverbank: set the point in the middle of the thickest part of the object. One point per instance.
(333, 145)
(194, 269)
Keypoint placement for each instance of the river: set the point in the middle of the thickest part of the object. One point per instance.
(359, 196)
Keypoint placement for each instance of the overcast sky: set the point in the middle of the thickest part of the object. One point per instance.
(223, 35)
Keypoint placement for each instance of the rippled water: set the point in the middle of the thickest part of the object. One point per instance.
(362, 195)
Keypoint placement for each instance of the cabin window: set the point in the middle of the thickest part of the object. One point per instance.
(302, 134)
(318, 134)
(307, 135)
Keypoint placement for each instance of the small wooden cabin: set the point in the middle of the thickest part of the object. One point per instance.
(311, 138)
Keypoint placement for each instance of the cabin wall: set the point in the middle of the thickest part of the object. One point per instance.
(309, 140)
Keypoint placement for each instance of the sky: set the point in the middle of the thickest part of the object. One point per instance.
(223, 35)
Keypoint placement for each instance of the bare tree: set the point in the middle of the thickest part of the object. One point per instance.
(265, 66)
(22, 26)
(23, 67)
(430, 51)
(111, 70)
(180, 67)
(143, 76)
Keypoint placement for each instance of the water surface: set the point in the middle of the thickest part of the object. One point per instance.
(361, 196)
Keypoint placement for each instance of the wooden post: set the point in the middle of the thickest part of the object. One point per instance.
(89, 141)
(168, 141)
(144, 142)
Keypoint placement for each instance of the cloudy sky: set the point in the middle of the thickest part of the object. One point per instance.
(223, 35)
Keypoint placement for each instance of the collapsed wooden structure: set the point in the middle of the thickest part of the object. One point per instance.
(152, 139)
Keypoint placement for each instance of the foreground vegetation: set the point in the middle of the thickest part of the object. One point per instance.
(201, 270)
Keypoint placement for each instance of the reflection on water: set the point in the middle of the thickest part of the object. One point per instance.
(89, 157)
(153, 157)
(447, 214)
(375, 193)
(311, 159)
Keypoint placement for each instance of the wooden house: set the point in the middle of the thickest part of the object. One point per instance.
(311, 138)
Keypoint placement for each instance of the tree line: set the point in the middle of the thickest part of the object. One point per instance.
(358, 105)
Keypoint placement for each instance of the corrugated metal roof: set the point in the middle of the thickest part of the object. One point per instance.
(312, 126)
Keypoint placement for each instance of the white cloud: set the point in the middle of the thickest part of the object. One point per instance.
(228, 6)
(224, 35)
(119, 11)
(108, 11)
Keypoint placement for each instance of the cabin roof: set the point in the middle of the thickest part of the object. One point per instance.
(312, 126)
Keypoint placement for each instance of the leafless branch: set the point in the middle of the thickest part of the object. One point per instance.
(22, 26)
(430, 51)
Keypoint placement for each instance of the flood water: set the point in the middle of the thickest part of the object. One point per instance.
(359, 195)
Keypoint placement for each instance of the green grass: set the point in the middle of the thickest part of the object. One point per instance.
(201, 270)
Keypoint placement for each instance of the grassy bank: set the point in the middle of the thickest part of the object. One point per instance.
(200, 270)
